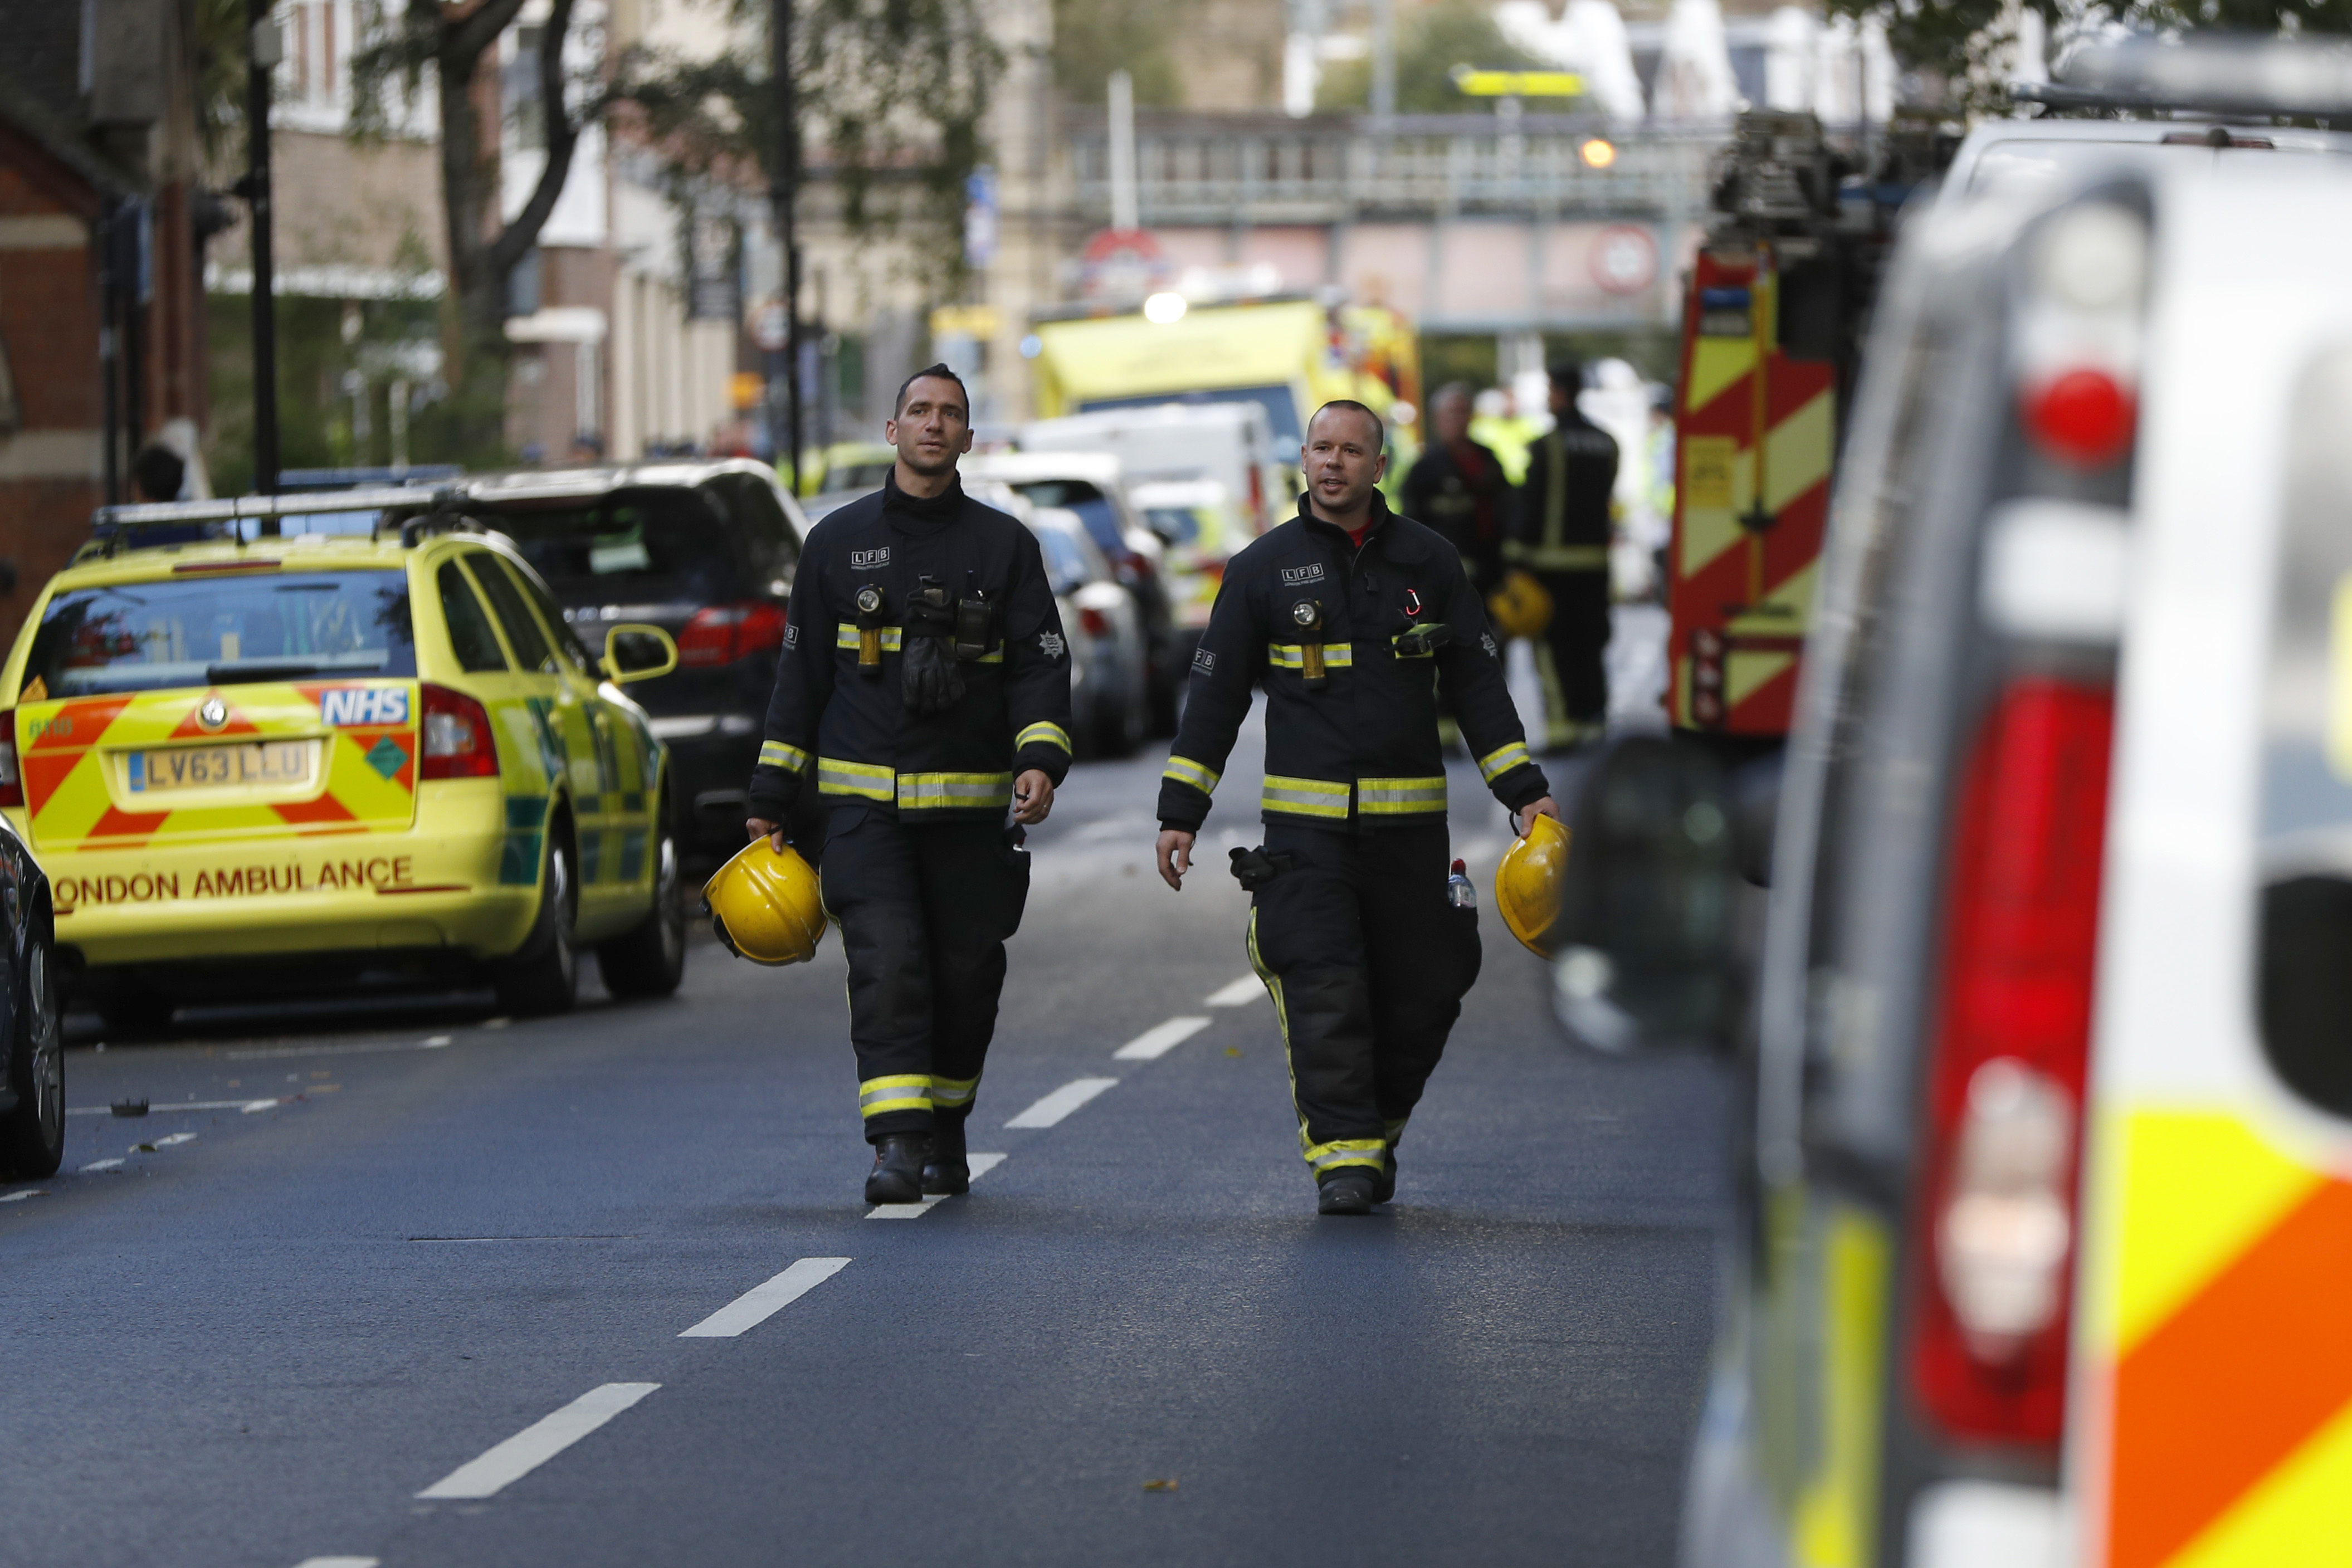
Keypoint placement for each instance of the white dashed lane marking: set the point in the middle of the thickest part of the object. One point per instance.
(22, 1196)
(339, 1563)
(981, 1166)
(1239, 993)
(760, 1302)
(536, 1444)
(1062, 1102)
(168, 1106)
(175, 1139)
(1159, 1040)
(101, 1166)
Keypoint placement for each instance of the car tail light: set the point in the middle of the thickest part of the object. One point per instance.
(457, 740)
(1096, 622)
(2083, 417)
(2010, 1054)
(721, 634)
(12, 779)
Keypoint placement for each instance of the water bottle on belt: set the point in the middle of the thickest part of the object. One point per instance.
(1460, 892)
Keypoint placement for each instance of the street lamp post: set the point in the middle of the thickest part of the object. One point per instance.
(781, 188)
(263, 52)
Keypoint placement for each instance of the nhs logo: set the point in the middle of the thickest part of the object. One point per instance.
(345, 706)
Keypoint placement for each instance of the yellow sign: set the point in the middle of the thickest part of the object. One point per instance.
(963, 321)
(1708, 463)
(1518, 84)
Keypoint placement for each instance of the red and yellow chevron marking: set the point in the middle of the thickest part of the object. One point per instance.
(1748, 533)
(75, 796)
(2221, 1354)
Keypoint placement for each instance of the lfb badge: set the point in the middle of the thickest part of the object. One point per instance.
(1051, 642)
(214, 714)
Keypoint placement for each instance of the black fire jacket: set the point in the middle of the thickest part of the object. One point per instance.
(850, 727)
(1354, 742)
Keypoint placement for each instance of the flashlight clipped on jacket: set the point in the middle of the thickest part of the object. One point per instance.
(1308, 614)
(869, 630)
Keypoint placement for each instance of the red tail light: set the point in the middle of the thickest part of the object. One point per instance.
(1094, 621)
(2011, 1051)
(457, 740)
(722, 633)
(2083, 416)
(12, 777)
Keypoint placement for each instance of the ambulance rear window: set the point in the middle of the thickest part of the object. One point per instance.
(222, 631)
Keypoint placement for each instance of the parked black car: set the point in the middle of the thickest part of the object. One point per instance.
(32, 1041)
(707, 551)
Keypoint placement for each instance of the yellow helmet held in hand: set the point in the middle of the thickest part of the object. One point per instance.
(1521, 607)
(764, 904)
(1527, 883)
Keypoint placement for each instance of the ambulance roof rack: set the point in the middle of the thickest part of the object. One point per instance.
(155, 523)
(2240, 76)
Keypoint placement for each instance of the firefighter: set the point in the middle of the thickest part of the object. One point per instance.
(1458, 488)
(1560, 533)
(923, 687)
(1351, 617)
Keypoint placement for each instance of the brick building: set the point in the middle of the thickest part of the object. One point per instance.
(102, 330)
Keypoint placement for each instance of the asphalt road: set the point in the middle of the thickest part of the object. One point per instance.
(406, 1282)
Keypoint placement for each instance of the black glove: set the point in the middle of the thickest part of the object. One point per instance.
(933, 683)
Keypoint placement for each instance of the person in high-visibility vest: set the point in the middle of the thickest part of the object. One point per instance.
(1561, 533)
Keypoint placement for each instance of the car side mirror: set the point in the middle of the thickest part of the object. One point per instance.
(1645, 929)
(634, 652)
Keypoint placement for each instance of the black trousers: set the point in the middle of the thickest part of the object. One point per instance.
(924, 912)
(1367, 964)
(1568, 654)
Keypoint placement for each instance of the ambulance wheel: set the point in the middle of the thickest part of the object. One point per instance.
(651, 960)
(33, 1134)
(543, 976)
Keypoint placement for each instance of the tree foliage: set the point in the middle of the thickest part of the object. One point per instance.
(1431, 41)
(891, 94)
(1093, 39)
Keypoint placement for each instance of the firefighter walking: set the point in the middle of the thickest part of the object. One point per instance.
(1352, 618)
(923, 688)
(1560, 535)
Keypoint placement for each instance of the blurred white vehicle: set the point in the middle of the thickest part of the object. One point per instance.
(1231, 442)
(1195, 519)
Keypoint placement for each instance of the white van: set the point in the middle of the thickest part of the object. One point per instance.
(2046, 1228)
(1229, 442)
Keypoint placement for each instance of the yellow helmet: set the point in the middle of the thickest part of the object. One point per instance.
(764, 904)
(1521, 607)
(1527, 883)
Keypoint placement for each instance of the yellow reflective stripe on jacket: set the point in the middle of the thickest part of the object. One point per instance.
(1305, 797)
(1341, 1152)
(1502, 760)
(894, 638)
(1400, 797)
(1042, 734)
(1293, 655)
(776, 754)
(1185, 770)
(948, 1093)
(1558, 557)
(835, 776)
(907, 1091)
(951, 791)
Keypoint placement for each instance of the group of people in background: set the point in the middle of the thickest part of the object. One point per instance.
(1543, 541)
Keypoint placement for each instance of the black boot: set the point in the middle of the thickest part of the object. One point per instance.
(1384, 1186)
(897, 1174)
(947, 1172)
(1347, 1190)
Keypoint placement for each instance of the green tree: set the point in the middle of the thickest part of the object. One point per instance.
(1431, 41)
(891, 95)
(1093, 39)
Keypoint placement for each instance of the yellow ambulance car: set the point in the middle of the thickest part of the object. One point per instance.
(330, 757)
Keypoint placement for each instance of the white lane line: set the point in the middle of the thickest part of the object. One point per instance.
(374, 1048)
(175, 1139)
(1239, 993)
(435, 1042)
(536, 1444)
(168, 1105)
(760, 1302)
(1159, 1040)
(101, 1166)
(21, 1196)
(253, 1105)
(1061, 1102)
(339, 1563)
(981, 1166)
